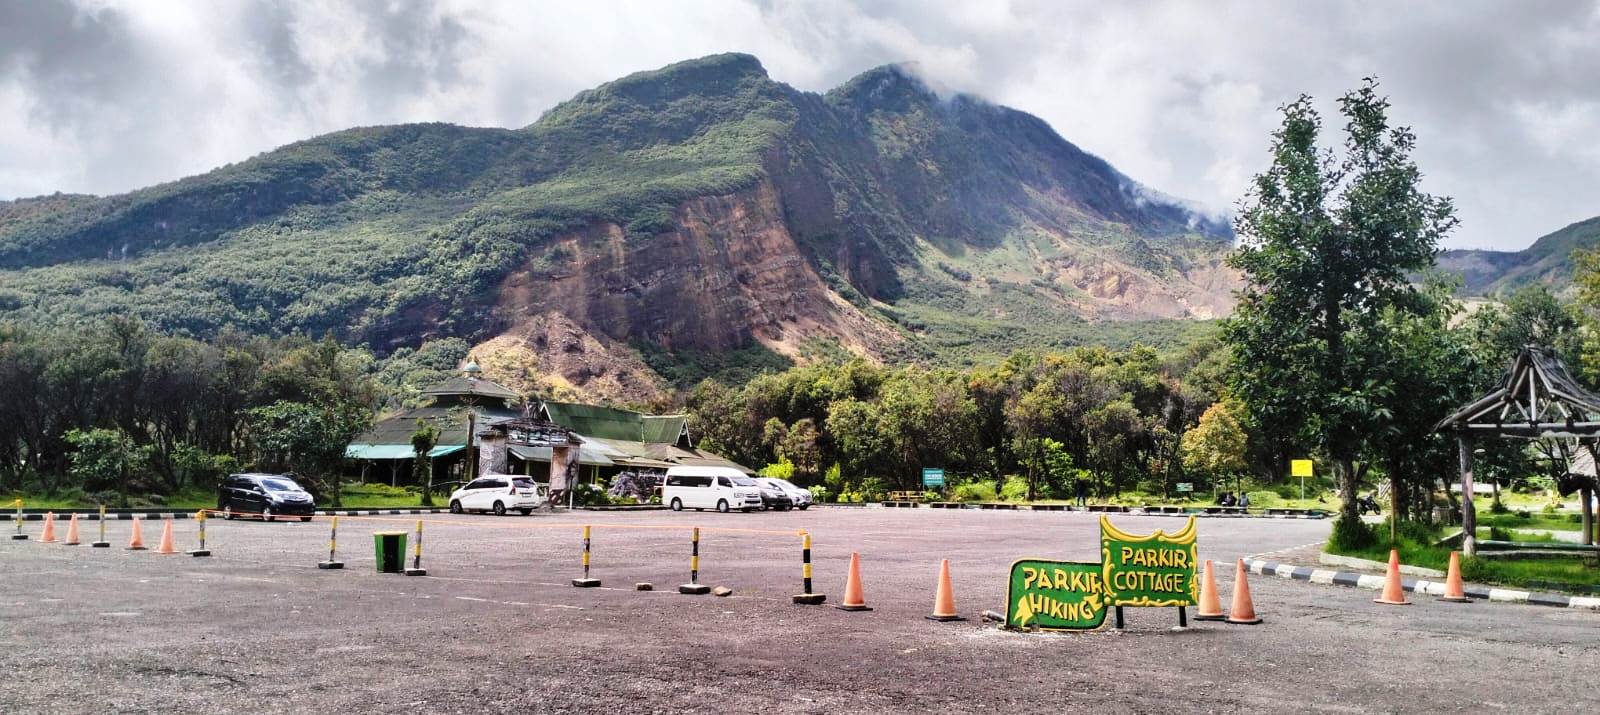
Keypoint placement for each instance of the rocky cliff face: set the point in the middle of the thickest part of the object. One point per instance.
(700, 208)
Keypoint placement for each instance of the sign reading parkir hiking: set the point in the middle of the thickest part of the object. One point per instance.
(1153, 570)
(1055, 595)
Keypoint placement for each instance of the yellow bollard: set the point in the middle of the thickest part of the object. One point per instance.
(19, 536)
(806, 597)
(102, 543)
(200, 519)
(333, 545)
(586, 582)
(694, 587)
(416, 565)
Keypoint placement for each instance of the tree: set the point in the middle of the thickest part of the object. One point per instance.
(1327, 248)
(104, 459)
(1216, 446)
(422, 443)
(308, 440)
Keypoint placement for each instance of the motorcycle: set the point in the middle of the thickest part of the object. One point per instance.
(1368, 503)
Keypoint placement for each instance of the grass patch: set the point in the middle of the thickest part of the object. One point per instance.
(1547, 572)
(1551, 522)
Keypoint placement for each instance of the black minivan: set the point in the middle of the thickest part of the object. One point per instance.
(270, 495)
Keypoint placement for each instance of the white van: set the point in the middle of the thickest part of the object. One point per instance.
(720, 488)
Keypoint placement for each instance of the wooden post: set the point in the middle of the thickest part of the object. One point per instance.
(1469, 518)
(1586, 494)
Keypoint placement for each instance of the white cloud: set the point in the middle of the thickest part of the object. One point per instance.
(110, 95)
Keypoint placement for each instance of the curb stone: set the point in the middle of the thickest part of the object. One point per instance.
(1418, 586)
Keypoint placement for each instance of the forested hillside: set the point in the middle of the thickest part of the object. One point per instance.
(644, 227)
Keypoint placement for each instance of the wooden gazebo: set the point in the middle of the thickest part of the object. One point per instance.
(1537, 398)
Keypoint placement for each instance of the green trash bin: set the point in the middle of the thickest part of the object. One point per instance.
(391, 550)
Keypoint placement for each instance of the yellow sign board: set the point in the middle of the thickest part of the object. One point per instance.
(1300, 467)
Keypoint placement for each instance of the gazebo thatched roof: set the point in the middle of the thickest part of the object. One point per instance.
(1536, 398)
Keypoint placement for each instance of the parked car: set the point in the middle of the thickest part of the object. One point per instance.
(720, 488)
(773, 496)
(498, 493)
(800, 497)
(270, 495)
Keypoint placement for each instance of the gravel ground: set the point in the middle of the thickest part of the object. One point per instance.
(496, 627)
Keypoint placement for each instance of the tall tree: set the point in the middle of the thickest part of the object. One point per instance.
(423, 441)
(1327, 247)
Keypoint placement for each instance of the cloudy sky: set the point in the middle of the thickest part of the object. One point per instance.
(102, 97)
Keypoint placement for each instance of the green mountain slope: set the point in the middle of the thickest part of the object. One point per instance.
(1548, 261)
(698, 209)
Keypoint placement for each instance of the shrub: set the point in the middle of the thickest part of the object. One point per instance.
(820, 494)
(1351, 534)
(1015, 488)
(974, 491)
(931, 496)
(873, 488)
(782, 469)
(1498, 534)
(1264, 500)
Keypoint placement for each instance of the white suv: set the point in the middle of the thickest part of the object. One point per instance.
(498, 493)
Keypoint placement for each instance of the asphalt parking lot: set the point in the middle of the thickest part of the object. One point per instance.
(495, 626)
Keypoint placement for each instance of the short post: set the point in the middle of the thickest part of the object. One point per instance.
(1119, 617)
(1183, 617)
(103, 544)
(333, 561)
(19, 536)
(586, 582)
(416, 564)
(200, 519)
(806, 597)
(694, 587)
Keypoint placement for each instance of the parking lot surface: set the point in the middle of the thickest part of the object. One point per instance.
(496, 626)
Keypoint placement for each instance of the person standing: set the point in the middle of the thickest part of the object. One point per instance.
(1081, 488)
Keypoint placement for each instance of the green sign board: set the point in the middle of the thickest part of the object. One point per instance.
(1185, 486)
(932, 477)
(1055, 595)
(1153, 570)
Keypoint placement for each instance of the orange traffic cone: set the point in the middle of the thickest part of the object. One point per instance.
(1210, 607)
(72, 531)
(49, 536)
(1453, 591)
(853, 599)
(1393, 594)
(944, 600)
(136, 542)
(1243, 611)
(166, 538)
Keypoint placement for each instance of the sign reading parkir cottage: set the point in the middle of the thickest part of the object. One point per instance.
(1153, 570)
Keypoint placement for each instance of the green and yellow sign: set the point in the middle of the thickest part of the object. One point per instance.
(1153, 570)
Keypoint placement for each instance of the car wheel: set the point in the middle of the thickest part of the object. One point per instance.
(227, 511)
(803, 507)
(304, 519)
(499, 509)
(267, 515)
(455, 506)
(677, 504)
(722, 506)
(525, 512)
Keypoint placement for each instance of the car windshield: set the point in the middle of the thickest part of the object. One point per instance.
(744, 481)
(280, 485)
(782, 483)
(522, 483)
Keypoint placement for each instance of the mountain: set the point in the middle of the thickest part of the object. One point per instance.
(1547, 261)
(701, 214)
